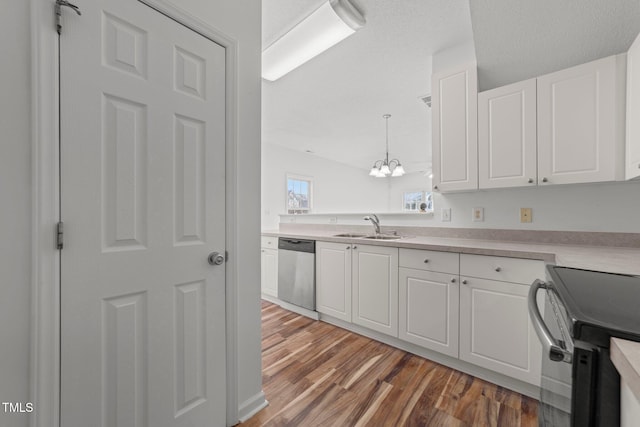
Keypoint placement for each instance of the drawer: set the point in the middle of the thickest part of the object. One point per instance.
(514, 270)
(269, 242)
(444, 262)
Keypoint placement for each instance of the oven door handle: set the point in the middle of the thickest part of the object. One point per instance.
(556, 351)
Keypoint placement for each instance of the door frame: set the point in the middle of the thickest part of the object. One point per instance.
(45, 175)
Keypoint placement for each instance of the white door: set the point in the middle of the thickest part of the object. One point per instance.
(633, 111)
(455, 129)
(333, 279)
(580, 124)
(495, 330)
(428, 310)
(375, 288)
(143, 202)
(507, 136)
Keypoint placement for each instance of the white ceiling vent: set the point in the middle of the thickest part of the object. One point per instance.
(426, 99)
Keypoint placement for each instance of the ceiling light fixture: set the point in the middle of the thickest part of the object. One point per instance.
(331, 23)
(385, 167)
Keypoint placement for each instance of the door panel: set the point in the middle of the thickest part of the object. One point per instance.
(142, 198)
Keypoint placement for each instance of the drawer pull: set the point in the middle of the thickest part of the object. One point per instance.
(453, 280)
(426, 260)
(464, 282)
(498, 269)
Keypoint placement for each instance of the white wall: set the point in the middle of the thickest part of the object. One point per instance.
(613, 207)
(239, 19)
(15, 210)
(336, 186)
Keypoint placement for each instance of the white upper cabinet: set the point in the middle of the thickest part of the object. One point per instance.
(581, 123)
(455, 144)
(633, 111)
(507, 136)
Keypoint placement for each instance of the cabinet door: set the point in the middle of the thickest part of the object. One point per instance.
(428, 310)
(333, 279)
(375, 288)
(495, 330)
(270, 272)
(507, 136)
(455, 129)
(580, 123)
(633, 111)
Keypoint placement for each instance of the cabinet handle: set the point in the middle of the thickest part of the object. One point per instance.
(464, 282)
(530, 180)
(426, 261)
(498, 269)
(545, 179)
(453, 280)
(263, 250)
(355, 247)
(638, 165)
(435, 187)
(348, 247)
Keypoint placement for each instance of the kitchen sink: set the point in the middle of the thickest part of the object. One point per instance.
(349, 235)
(382, 237)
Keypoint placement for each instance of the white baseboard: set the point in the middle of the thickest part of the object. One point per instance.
(252, 406)
(291, 307)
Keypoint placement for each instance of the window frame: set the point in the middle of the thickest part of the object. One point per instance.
(297, 177)
(424, 196)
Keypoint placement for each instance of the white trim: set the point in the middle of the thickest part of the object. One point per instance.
(45, 361)
(252, 406)
(45, 332)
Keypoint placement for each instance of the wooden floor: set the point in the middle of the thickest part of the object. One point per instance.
(315, 374)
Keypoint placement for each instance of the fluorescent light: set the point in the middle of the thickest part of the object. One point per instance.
(331, 23)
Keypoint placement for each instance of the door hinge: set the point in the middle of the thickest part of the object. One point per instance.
(60, 235)
(58, 11)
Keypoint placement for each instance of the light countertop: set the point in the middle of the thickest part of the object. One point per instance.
(600, 258)
(625, 355)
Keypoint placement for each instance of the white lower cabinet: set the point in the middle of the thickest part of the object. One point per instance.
(495, 330)
(269, 261)
(470, 307)
(375, 288)
(429, 309)
(333, 279)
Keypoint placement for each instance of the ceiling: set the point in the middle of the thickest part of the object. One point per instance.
(332, 106)
(520, 39)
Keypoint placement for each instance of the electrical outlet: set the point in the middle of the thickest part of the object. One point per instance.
(477, 214)
(525, 215)
(333, 219)
(446, 215)
(291, 219)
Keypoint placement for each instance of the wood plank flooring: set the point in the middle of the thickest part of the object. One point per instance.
(316, 374)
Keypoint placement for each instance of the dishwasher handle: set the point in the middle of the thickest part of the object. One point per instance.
(297, 245)
(556, 351)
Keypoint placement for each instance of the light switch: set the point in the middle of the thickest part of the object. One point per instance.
(525, 215)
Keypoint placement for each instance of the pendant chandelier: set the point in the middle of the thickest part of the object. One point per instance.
(385, 167)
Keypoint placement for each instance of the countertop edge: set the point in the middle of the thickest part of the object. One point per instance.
(407, 243)
(625, 356)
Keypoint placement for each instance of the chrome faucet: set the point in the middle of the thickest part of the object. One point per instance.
(375, 221)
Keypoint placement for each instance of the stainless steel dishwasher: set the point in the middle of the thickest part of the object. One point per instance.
(297, 272)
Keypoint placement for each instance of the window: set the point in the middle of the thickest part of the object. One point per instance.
(299, 194)
(413, 200)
